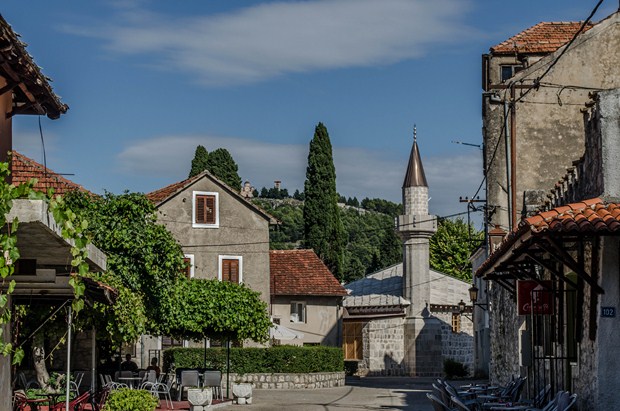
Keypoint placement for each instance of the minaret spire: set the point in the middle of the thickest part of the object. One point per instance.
(415, 177)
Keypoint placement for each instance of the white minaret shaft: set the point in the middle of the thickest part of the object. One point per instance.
(416, 227)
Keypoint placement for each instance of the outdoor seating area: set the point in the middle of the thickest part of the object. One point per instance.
(446, 397)
(171, 390)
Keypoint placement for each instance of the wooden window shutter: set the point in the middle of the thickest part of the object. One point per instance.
(230, 270)
(205, 209)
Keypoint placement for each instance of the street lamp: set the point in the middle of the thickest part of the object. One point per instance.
(473, 296)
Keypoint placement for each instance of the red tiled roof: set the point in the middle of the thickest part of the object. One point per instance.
(23, 169)
(162, 194)
(301, 272)
(591, 216)
(545, 37)
(33, 87)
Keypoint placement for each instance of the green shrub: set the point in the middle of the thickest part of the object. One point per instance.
(453, 368)
(126, 399)
(280, 359)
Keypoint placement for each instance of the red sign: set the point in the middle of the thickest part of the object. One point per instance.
(534, 297)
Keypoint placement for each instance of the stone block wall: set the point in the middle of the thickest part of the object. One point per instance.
(284, 381)
(457, 346)
(504, 325)
(384, 349)
(417, 200)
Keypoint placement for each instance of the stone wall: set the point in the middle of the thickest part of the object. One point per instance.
(384, 349)
(457, 346)
(504, 335)
(283, 381)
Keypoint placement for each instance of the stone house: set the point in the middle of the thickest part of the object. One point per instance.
(306, 297)
(223, 236)
(528, 147)
(553, 281)
(406, 319)
(538, 137)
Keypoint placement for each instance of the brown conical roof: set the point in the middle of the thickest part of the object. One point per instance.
(415, 172)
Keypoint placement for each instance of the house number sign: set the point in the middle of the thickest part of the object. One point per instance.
(608, 311)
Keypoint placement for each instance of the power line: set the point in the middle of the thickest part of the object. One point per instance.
(555, 61)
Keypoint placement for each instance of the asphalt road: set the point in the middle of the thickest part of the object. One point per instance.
(371, 393)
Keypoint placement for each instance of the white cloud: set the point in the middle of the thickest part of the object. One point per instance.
(274, 38)
(360, 172)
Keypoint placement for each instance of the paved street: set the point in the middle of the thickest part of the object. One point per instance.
(373, 393)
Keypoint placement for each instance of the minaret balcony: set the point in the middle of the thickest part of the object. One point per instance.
(420, 224)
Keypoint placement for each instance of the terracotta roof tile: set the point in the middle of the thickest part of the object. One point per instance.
(301, 272)
(592, 216)
(161, 194)
(23, 169)
(543, 38)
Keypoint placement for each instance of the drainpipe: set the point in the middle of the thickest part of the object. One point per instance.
(513, 156)
(507, 133)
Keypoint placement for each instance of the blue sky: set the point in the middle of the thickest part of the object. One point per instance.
(147, 81)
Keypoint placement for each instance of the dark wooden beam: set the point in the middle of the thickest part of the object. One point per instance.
(549, 267)
(556, 251)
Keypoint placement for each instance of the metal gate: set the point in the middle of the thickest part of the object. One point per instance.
(554, 343)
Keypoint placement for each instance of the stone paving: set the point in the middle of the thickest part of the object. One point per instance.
(370, 393)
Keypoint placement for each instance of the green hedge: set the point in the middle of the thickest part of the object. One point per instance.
(281, 359)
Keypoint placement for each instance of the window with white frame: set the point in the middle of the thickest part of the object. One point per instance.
(205, 209)
(298, 312)
(188, 269)
(230, 268)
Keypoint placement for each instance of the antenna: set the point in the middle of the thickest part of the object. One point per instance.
(415, 134)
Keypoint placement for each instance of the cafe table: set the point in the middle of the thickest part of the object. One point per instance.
(132, 382)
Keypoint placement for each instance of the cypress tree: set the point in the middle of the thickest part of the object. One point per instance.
(323, 228)
(199, 163)
(221, 164)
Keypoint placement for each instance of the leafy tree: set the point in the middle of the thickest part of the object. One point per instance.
(353, 202)
(144, 261)
(372, 243)
(290, 232)
(220, 310)
(264, 193)
(221, 164)
(450, 247)
(199, 162)
(323, 229)
(382, 206)
(298, 196)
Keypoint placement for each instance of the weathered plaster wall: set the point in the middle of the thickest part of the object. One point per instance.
(242, 232)
(549, 128)
(323, 319)
(607, 363)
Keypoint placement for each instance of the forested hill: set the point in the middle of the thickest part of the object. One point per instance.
(371, 242)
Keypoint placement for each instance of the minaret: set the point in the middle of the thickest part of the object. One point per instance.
(416, 227)
(422, 332)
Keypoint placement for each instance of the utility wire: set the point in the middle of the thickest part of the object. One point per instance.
(555, 61)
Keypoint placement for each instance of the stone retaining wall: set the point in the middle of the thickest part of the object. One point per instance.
(283, 381)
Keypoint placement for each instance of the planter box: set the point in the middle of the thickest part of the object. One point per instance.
(242, 393)
(199, 398)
